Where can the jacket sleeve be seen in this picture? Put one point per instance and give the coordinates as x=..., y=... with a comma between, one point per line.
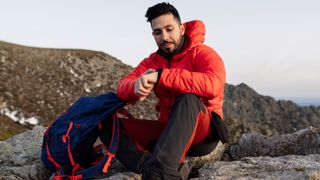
x=125, y=89
x=206, y=80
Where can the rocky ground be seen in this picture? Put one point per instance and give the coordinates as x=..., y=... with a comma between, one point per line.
x=37, y=84
x=289, y=156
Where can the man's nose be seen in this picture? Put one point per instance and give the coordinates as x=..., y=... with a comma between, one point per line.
x=165, y=36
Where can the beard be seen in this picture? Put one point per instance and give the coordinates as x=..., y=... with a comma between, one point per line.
x=170, y=47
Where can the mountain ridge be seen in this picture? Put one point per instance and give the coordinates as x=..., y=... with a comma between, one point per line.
x=43, y=82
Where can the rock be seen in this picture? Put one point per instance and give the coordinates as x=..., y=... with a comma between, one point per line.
x=20, y=156
x=124, y=176
x=215, y=155
x=20, y=159
x=22, y=148
x=285, y=167
x=32, y=170
x=302, y=142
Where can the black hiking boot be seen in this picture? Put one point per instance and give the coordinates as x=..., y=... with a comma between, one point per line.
x=185, y=170
x=146, y=175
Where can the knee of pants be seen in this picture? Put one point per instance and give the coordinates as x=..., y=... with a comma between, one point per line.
x=188, y=98
x=192, y=99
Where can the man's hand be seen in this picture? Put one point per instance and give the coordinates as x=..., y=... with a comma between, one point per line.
x=145, y=83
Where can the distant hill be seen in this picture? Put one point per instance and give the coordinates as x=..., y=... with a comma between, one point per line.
x=42, y=82
x=247, y=111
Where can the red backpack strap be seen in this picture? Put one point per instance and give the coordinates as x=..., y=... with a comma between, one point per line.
x=108, y=162
x=75, y=177
x=113, y=143
x=62, y=177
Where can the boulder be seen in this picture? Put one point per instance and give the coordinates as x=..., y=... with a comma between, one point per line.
x=20, y=156
x=264, y=167
x=302, y=142
x=20, y=159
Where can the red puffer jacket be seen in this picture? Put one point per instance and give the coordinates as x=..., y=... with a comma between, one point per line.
x=197, y=69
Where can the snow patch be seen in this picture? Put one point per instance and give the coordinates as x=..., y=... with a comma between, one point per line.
x=17, y=117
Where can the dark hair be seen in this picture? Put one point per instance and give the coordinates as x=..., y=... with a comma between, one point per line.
x=161, y=9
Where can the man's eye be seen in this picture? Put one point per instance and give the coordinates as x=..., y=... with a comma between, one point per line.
x=157, y=32
x=169, y=29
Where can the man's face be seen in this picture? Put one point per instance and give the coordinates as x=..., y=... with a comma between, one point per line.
x=167, y=32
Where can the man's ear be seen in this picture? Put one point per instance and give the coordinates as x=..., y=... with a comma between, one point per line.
x=152, y=28
x=182, y=29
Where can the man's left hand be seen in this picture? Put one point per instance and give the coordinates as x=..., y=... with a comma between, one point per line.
x=145, y=83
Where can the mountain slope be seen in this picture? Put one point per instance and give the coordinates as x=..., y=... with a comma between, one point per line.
x=42, y=83
x=247, y=111
x=10, y=128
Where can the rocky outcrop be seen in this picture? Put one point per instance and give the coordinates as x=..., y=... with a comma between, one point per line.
x=264, y=167
x=302, y=142
x=20, y=158
x=247, y=111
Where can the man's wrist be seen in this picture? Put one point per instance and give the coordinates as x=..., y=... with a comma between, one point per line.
x=159, y=70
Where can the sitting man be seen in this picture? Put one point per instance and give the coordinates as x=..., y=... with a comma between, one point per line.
x=188, y=78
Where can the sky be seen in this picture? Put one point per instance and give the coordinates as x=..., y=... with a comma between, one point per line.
x=273, y=46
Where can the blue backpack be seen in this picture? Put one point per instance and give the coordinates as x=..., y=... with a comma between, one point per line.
x=67, y=148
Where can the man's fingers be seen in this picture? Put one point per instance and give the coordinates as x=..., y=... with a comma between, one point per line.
x=140, y=90
x=145, y=83
x=141, y=93
x=144, y=88
x=142, y=98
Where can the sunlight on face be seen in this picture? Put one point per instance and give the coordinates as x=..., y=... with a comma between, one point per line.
x=167, y=32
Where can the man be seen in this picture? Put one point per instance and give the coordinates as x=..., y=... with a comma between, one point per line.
x=188, y=78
